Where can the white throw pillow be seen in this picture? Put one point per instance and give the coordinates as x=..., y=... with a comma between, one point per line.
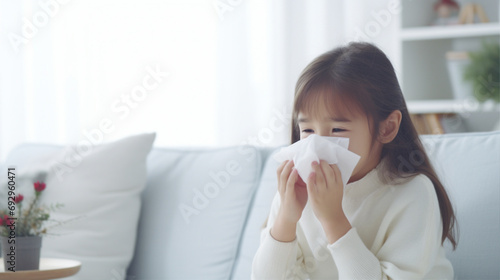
x=103, y=190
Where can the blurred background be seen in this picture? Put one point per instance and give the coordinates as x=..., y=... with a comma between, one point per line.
x=210, y=73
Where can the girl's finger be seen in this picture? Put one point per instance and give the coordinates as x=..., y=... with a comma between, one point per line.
x=285, y=173
x=290, y=184
x=281, y=185
x=319, y=177
x=280, y=168
x=311, y=184
x=338, y=175
x=329, y=173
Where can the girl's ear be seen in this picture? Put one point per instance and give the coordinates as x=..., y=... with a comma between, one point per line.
x=389, y=127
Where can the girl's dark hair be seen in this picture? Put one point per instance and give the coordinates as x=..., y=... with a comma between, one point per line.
x=362, y=77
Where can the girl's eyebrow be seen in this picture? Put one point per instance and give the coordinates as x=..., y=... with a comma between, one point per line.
x=336, y=119
x=340, y=119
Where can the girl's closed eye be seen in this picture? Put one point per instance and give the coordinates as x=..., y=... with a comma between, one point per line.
x=334, y=130
x=338, y=130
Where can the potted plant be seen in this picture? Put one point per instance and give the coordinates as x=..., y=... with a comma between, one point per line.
x=22, y=228
x=483, y=72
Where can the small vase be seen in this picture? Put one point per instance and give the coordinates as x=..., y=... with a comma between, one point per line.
x=457, y=62
x=24, y=254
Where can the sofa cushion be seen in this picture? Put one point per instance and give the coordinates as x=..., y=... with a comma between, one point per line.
x=259, y=211
x=195, y=207
x=469, y=166
x=100, y=186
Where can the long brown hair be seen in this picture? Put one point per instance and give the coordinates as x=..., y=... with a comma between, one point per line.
x=360, y=74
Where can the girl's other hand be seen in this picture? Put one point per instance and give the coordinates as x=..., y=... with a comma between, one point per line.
x=293, y=194
x=326, y=190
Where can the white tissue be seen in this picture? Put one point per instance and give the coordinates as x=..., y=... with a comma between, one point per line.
x=315, y=148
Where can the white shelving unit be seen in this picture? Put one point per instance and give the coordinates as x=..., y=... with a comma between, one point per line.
x=450, y=32
x=422, y=66
x=448, y=106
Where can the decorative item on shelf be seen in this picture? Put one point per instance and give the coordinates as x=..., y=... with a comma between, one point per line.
x=438, y=123
x=457, y=62
x=483, y=72
x=427, y=123
x=447, y=12
x=21, y=231
x=469, y=11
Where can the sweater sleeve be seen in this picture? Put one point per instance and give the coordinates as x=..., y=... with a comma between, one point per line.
x=275, y=259
x=410, y=237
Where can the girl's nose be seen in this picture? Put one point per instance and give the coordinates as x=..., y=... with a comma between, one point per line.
x=324, y=132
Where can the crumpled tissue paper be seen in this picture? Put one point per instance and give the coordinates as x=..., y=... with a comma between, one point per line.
x=315, y=148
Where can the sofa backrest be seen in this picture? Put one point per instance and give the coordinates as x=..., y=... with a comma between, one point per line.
x=194, y=210
x=468, y=165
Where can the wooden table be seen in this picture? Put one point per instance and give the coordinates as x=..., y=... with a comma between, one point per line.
x=49, y=269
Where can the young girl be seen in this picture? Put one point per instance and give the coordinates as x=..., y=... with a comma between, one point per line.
x=392, y=218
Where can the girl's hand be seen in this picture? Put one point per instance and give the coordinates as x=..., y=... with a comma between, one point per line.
x=293, y=192
x=326, y=190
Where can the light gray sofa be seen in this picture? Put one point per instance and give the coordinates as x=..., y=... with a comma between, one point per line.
x=220, y=240
x=202, y=209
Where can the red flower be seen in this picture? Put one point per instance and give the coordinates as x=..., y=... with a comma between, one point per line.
x=6, y=220
x=1, y=222
x=18, y=198
x=39, y=186
x=450, y=3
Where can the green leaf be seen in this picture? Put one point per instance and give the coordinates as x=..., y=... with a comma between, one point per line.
x=484, y=72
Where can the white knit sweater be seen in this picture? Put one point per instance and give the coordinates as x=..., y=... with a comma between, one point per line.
x=396, y=234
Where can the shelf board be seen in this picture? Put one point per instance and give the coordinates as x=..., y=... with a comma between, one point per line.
x=451, y=106
x=448, y=32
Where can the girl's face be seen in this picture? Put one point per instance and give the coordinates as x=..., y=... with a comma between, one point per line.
x=351, y=124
